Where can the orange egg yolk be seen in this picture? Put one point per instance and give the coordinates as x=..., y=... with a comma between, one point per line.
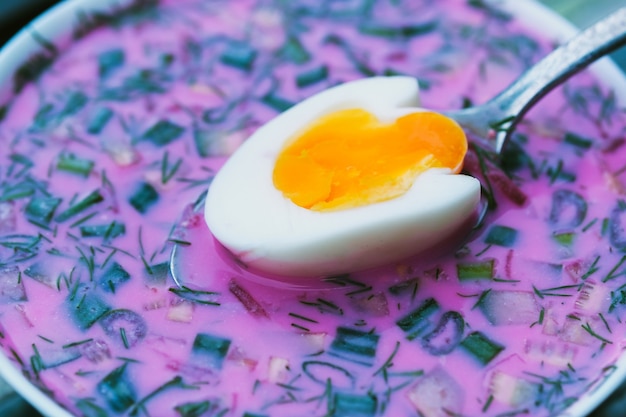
x=349, y=158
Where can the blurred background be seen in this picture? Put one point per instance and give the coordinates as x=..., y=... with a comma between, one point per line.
x=15, y=14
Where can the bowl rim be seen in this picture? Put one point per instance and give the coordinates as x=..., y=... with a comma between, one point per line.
x=57, y=24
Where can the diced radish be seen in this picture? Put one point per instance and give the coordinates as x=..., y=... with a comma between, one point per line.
x=593, y=297
x=95, y=350
x=551, y=352
x=511, y=390
x=278, y=370
x=8, y=217
x=180, y=311
x=509, y=307
x=238, y=356
x=11, y=285
x=375, y=305
x=316, y=340
x=437, y=394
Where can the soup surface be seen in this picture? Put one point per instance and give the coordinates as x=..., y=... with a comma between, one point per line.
x=108, y=144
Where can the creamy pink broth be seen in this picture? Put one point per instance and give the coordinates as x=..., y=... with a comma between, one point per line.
x=100, y=324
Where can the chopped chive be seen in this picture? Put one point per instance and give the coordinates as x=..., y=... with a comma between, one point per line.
x=475, y=270
x=239, y=55
x=163, y=133
x=193, y=409
x=98, y=120
x=501, y=236
x=72, y=164
x=611, y=275
x=481, y=347
x=144, y=197
x=94, y=198
x=312, y=76
x=168, y=172
x=588, y=329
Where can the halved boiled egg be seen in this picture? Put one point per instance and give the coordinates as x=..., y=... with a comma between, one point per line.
x=354, y=177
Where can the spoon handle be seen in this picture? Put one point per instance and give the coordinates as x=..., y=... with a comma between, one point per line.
x=507, y=108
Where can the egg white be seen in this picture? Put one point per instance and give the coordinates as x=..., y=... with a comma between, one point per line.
x=268, y=232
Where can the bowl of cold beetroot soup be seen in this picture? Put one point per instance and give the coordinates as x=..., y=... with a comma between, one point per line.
x=115, y=118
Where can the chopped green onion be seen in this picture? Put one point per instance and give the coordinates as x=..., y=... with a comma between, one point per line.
x=481, y=347
x=94, y=198
x=75, y=165
x=276, y=102
x=294, y=51
x=564, y=238
x=211, y=349
x=98, y=120
x=163, y=133
x=114, y=276
x=475, y=270
x=239, y=55
x=416, y=322
x=578, y=141
x=312, y=76
x=106, y=231
x=355, y=345
x=109, y=61
x=144, y=197
x=405, y=31
x=40, y=210
x=117, y=390
x=501, y=236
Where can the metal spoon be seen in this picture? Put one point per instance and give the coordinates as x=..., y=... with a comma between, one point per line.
x=493, y=122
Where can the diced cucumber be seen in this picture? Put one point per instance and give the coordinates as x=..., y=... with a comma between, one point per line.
x=417, y=322
x=481, y=347
x=40, y=210
x=446, y=336
x=109, y=61
x=74, y=165
x=125, y=327
x=355, y=345
x=159, y=273
x=239, y=55
x=436, y=394
x=501, y=236
x=117, y=390
x=504, y=308
x=475, y=270
x=98, y=120
x=107, y=231
x=163, y=133
x=210, y=349
x=354, y=405
x=41, y=272
x=90, y=200
x=568, y=210
x=312, y=76
x=11, y=285
x=511, y=390
x=144, y=197
x=114, y=276
x=85, y=306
